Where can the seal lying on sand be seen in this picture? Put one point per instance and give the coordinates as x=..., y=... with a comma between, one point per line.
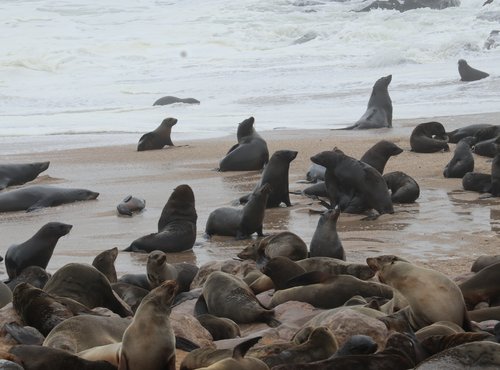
x=379, y=111
x=158, y=138
x=474, y=181
x=325, y=241
x=176, y=227
x=166, y=100
x=462, y=161
x=37, y=250
x=130, y=205
x=18, y=174
x=250, y=154
x=429, y=137
x=38, y=196
x=404, y=189
x=467, y=73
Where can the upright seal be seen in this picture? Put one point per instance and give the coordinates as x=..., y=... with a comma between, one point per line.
x=467, y=73
x=158, y=138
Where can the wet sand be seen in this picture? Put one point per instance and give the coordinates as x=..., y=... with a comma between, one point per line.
x=446, y=229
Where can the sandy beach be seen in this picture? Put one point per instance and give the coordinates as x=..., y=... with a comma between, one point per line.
x=446, y=229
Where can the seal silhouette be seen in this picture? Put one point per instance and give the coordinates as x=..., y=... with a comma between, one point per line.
x=250, y=154
x=325, y=241
x=467, y=73
x=18, y=174
x=429, y=137
x=158, y=138
x=379, y=111
x=462, y=161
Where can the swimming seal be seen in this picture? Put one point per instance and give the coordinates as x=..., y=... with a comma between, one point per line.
x=240, y=222
x=379, y=111
x=158, y=138
x=250, y=154
x=176, y=227
x=166, y=100
x=105, y=263
x=325, y=241
x=18, y=174
x=462, y=161
x=467, y=73
x=404, y=189
x=429, y=137
x=39, y=196
x=37, y=250
x=130, y=205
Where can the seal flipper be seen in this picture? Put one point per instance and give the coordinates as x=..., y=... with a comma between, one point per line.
x=24, y=334
x=185, y=344
x=200, y=307
x=241, y=349
x=42, y=203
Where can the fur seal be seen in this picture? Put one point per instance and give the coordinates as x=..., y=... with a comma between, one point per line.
x=39, y=358
x=130, y=205
x=5, y=294
x=334, y=266
x=166, y=100
x=431, y=295
x=325, y=241
x=276, y=175
x=158, y=138
x=34, y=275
x=159, y=270
x=250, y=154
x=482, y=287
x=139, y=280
x=130, y=294
x=456, y=135
x=479, y=182
x=378, y=155
x=357, y=345
x=87, y=285
x=18, y=174
x=285, y=244
x=281, y=269
x=37, y=250
x=429, y=137
x=404, y=189
x=236, y=301
x=467, y=73
x=105, y=263
x=315, y=173
x=240, y=222
x=484, y=261
x=462, y=161
x=150, y=333
x=219, y=327
x=35, y=197
x=485, y=148
x=346, y=177
x=176, y=227
x=379, y=111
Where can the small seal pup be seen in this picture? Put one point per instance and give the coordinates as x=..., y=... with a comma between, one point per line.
x=158, y=138
x=276, y=175
x=130, y=205
x=431, y=295
x=176, y=227
x=18, y=174
x=325, y=241
x=37, y=250
x=240, y=222
x=105, y=263
x=462, y=161
x=429, y=137
x=166, y=100
x=149, y=341
x=404, y=189
x=159, y=270
x=36, y=197
x=250, y=154
x=379, y=111
x=467, y=73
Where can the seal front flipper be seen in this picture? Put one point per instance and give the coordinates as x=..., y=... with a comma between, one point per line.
x=185, y=344
x=24, y=334
x=42, y=203
x=200, y=307
x=232, y=148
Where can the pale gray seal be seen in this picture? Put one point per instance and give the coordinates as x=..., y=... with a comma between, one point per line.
x=166, y=100
x=467, y=73
x=130, y=205
x=18, y=174
x=158, y=138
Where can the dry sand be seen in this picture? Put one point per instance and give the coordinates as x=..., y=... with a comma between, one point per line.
x=446, y=229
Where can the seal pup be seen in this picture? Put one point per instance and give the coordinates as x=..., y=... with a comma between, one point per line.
x=36, y=197
x=166, y=100
x=462, y=161
x=250, y=154
x=240, y=222
x=18, y=174
x=150, y=333
x=431, y=295
x=315, y=173
x=130, y=205
x=236, y=301
x=37, y=250
x=285, y=244
x=325, y=241
x=87, y=285
x=404, y=189
x=158, y=138
x=34, y=275
x=479, y=182
x=467, y=73
x=346, y=177
x=456, y=135
x=276, y=175
x=176, y=226
x=378, y=155
x=429, y=137
x=159, y=270
x=379, y=111
x=333, y=266
x=105, y=263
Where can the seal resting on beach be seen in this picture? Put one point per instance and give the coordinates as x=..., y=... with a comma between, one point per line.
x=37, y=250
x=176, y=227
x=105, y=263
x=479, y=182
x=166, y=100
x=39, y=196
x=158, y=138
x=467, y=73
x=250, y=154
x=130, y=205
x=429, y=137
x=404, y=189
x=482, y=287
x=159, y=270
x=462, y=161
x=456, y=135
x=240, y=222
x=18, y=174
x=325, y=241
x=379, y=111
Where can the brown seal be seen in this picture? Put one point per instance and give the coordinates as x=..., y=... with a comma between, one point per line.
x=219, y=327
x=105, y=262
x=159, y=270
x=37, y=250
x=482, y=287
x=281, y=270
x=378, y=155
x=286, y=244
x=158, y=138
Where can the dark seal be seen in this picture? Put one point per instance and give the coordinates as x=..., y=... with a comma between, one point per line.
x=467, y=73
x=325, y=241
x=404, y=189
x=167, y=100
x=130, y=205
x=378, y=155
x=158, y=138
x=462, y=161
x=18, y=174
x=429, y=137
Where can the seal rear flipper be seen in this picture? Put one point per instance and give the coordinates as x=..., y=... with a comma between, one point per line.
x=24, y=334
x=241, y=349
x=200, y=307
x=185, y=344
x=312, y=277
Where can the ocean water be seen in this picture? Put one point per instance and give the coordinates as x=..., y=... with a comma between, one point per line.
x=78, y=73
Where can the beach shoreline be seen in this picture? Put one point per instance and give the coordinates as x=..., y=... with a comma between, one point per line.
x=446, y=229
